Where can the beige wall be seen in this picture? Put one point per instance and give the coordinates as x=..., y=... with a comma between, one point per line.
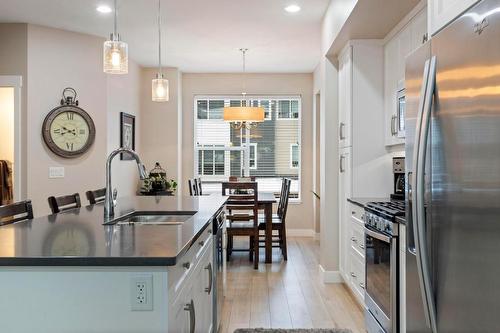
x=14, y=61
x=299, y=215
x=7, y=124
x=159, y=140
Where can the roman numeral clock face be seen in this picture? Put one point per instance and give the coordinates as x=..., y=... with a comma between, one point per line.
x=68, y=131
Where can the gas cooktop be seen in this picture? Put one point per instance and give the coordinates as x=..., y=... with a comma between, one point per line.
x=387, y=209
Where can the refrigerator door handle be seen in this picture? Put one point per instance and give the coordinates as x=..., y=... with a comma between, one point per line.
x=418, y=186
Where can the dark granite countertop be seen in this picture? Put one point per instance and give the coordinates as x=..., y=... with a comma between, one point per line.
x=79, y=238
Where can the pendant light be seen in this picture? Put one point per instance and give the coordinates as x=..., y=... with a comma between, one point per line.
x=159, y=85
x=115, y=52
x=244, y=116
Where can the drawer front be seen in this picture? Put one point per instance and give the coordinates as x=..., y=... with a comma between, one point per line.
x=358, y=238
x=357, y=212
x=358, y=276
x=185, y=265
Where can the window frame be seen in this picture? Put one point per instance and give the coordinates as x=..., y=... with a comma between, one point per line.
x=293, y=145
x=248, y=98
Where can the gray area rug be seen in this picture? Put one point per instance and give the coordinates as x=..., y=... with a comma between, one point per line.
x=316, y=330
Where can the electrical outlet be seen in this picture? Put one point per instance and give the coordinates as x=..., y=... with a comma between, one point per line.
x=141, y=292
x=56, y=172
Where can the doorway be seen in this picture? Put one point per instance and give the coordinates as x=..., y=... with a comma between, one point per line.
x=10, y=139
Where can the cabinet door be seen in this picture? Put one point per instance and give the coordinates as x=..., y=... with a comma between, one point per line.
x=202, y=288
x=182, y=311
x=345, y=183
x=345, y=97
x=391, y=54
x=419, y=29
x=442, y=12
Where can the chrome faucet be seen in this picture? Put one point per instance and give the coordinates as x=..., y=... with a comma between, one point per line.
x=109, y=206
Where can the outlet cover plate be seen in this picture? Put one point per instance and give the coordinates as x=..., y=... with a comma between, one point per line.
x=141, y=292
x=56, y=172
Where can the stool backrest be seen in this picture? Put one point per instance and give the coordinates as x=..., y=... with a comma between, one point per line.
x=18, y=211
x=65, y=202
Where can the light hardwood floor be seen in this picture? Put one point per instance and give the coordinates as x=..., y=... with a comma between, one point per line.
x=286, y=294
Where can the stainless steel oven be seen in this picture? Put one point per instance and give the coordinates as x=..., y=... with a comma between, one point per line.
x=382, y=261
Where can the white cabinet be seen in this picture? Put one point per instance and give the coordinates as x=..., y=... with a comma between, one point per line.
x=345, y=179
x=405, y=41
x=345, y=97
x=442, y=12
x=191, y=309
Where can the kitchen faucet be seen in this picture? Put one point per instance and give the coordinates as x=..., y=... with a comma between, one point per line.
x=109, y=207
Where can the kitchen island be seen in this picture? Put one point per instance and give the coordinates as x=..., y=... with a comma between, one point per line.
x=75, y=272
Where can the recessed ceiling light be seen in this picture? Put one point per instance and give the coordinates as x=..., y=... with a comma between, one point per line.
x=292, y=8
x=104, y=9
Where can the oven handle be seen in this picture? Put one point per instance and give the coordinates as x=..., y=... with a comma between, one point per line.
x=377, y=235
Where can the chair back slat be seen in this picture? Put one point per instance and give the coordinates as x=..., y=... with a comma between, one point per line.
x=18, y=211
x=282, y=197
x=198, y=186
x=96, y=196
x=286, y=195
x=63, y=203
x=193, y=187
x=245, y=201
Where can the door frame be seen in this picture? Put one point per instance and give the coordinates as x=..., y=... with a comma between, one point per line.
x=16, y=82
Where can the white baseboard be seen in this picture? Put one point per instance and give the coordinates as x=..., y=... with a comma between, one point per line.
x=330, y=276
x=316, y=236
x=300, y=232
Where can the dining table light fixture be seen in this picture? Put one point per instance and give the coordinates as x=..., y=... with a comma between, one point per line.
x=115, y=51
x=159, y=85
x=244, y=116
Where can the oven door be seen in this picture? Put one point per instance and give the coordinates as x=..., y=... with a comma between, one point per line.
x=381, y=278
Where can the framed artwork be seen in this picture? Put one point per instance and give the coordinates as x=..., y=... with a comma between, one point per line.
x=127, y=134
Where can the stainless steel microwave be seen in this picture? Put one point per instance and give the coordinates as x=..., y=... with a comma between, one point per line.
x=400, y=113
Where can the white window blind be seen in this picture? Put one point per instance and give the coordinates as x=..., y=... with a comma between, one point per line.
x=273, y=150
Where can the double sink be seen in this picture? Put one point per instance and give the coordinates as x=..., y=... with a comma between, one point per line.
x=152, y=218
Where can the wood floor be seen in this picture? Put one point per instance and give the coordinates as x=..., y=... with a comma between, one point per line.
x=286, y=294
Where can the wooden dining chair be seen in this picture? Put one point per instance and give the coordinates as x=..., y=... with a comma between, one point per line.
x=96, y=196
x=278, y=221
x=243, y=215
x=193, y=188
x=16, y=212
x=198, y=186
x=63, y=203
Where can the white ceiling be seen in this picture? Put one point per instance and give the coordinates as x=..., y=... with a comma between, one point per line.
x=199, y=35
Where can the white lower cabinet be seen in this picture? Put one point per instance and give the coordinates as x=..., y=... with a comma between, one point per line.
x=353, y=251
x=191, y=309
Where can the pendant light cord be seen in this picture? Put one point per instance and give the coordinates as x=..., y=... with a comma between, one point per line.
x=244, y=52
x=159, y=38
x=115, y=26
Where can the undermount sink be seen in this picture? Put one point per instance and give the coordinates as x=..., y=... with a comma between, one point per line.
x=153, y=218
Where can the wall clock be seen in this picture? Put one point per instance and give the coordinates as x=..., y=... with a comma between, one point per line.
x=68, y=130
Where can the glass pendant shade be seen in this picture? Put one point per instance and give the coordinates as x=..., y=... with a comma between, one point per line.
x=115, y=56
x=159, y=89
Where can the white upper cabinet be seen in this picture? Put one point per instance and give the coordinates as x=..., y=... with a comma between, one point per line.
x=442, y=12
x=404, y=42
x=345, y=97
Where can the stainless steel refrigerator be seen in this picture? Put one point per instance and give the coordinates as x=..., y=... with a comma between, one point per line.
x=453, y=177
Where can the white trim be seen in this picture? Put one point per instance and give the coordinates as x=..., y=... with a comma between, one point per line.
x=317, y=236
x=330, y=276
x=300, y=233
x=16, y=82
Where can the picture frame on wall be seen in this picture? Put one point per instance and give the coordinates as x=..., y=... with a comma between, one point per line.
x=127, y=134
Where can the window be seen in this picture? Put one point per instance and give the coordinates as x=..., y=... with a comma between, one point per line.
x=253, y=156
x=288, y=109
x=264, y=152
x=294, y=156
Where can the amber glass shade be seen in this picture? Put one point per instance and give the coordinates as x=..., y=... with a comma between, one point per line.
x=244, y=114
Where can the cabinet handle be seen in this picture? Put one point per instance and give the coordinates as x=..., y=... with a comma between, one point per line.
x=208, y=290
x=342, y=159
x=362, y=285
x=425, y=38
x=362, y=246
x=341, y=131
x=354, y=239
x=192, y=316
x=353, y=275
x=353, y=213
x=186, y=265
